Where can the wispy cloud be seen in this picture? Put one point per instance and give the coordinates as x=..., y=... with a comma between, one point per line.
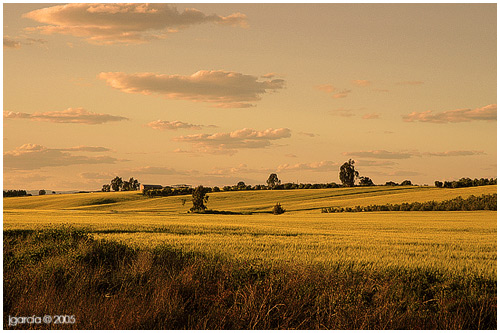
x=311, y=135
x=371, y=116
x=452, y=153
x=323, y=166
x=381, y=154
x=70, y=115
x=240, y=169
x=111, y=23
x=361, y=83
x=488, y=112
x=341, y=94
x=223, y=89
x=32, y=156
x=172, y=125
x=328, y=88
x=230, y=143
x=11, y=43
x=155, y=170
x=388, y=155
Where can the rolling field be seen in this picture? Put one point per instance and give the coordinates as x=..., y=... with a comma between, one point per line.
x=451, y=246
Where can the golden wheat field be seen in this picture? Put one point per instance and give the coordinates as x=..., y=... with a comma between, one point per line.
x=460, y=242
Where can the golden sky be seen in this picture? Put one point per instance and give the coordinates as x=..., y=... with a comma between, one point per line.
x=214, y=94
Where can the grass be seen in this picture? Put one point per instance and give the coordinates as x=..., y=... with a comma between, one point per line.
x=146, y=263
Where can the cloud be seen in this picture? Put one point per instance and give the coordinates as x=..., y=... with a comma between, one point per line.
x=381, y=154
x=271, y=75
x=361, y=83
x=311, y=135
x=223, y=89
x=488, y=112
x=229, y=143
x=323, y=166
x=91, y=149
x=456, y=153
x=410, y=83
x=110, y=23
x=371, y=116
x=32, y=156
x=328, y=88
x=291, y=155
x=342, y=94
x=172, y=125
x=70, y=115
x=11, y=43
x=370, y=163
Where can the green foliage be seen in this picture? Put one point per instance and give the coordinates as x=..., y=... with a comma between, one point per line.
x=278, y=209
x=116, y=183
x=467, y=182
x=348, y=174
x=15, y=193
x=365, y=181
x=273, y=180
x=199, y=199
x=484, y=202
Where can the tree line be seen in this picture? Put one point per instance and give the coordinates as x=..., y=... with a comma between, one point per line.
x=466, y=182
x=15, y=193
x=484, y=202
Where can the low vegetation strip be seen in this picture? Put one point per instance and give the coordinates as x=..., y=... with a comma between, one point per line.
x=484, y=202
x=110, y=285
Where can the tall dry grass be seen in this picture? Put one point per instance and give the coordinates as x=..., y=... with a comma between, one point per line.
x=109, y=285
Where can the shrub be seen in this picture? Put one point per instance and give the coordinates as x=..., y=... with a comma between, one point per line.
x=278, y=209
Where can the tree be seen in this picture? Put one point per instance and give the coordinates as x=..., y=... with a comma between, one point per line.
x=438, y=183
x=273, y=180
x=241, y=186
x=116, y=183
x=391, y=183
x=41, y=192
x=106, y=188
x=406, y=183
x=133, y=184
x=199, y=199
x=365, y=181
x=348, y=174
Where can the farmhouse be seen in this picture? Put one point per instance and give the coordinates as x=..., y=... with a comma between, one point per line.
x=150, y=187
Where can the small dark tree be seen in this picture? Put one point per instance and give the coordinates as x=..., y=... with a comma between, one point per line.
x=134, y=184
x=106, y=188
x=126, y=186
x=391, y=183
x=365, y=181
x=438, y=183
x=199, y=199
x=278, y=209
x=116, y=183
x=273, y=180
x=241, y=186
x=348, y=174
x=41, y=192
x=406, y=183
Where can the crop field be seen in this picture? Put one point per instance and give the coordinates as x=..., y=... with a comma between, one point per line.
x=454, y=251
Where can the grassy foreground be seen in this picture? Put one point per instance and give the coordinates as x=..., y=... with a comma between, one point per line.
x=145, y=263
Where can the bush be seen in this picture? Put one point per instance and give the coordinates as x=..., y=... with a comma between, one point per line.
x=278, y=209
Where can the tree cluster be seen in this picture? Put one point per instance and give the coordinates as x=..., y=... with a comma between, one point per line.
x=118, y=184
x=169, y=191
x=484, y=202
x=466, y=182
x=15, y=193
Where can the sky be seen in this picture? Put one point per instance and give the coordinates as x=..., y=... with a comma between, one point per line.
x=213, y=94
